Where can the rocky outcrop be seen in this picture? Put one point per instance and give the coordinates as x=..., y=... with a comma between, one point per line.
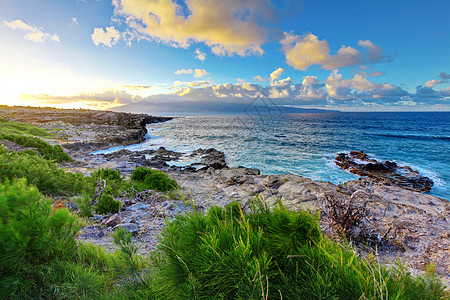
x=387, y=172
x=85, y=130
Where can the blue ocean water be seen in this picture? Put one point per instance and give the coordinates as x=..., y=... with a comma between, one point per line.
x=306, y=143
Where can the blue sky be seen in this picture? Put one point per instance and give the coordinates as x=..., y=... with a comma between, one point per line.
x=346, y=55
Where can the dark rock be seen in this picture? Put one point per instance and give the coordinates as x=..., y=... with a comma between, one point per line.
x=113, y=221
x=129, y=227
x=386, y=172
x=137, y=206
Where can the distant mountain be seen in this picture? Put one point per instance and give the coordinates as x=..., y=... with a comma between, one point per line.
x=203, y=107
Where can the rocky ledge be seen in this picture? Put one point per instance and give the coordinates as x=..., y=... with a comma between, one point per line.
x=387, y=172
x=82, y=131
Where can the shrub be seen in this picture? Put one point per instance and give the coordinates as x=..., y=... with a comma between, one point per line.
x=230, y=254
x=47, y=151
x=150, y=179
x=84, y=205
x=44, y=174
x=31, y=236
x=113, y=179
x=107, y=204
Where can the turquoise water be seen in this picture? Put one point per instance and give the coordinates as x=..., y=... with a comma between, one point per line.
x=307, y=143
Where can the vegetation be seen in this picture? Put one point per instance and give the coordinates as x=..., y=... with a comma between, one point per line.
x=107, y=204
x=225, y=253
x=28, y=136
x=150, y=179
x=42, y=173
x=231, y=254
x=10, y=127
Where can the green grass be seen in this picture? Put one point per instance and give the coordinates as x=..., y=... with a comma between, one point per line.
x=230, y=254
x=225, y=253
x=10, y=127
x=29, y=136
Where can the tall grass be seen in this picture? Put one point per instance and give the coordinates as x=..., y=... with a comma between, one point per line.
x=231, y=254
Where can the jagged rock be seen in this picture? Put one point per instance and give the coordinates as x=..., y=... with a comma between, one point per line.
x=386, y=172
x=137, y=206
x=128, y=227
x=237, y=176
x=172, y=208
x=272, y=181
x=113, y=221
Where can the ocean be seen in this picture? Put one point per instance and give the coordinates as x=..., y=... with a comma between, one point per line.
x=307, y=143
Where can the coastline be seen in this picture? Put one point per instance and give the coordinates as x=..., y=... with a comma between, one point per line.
x=418, y=223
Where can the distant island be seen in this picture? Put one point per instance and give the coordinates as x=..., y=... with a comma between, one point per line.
x=207, y=107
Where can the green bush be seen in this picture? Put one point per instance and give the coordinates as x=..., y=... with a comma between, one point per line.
x=84, y=204
x=44, y=174
x=107, y=204
x=31, y=236
x=113, y=179
x=150, y=179
x=47, y=151
x=230, y=254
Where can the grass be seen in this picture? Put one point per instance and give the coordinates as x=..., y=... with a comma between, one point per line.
x=11, y=127
x=225, y=253
x=231, y=254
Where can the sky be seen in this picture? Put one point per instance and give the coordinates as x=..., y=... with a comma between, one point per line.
x=342, y=55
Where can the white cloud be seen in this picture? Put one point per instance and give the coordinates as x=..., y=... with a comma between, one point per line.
x=304, y=51
x=200, y=73
x=73, y=21
x=200, y=55
x=432, y=83
x=276, y=74
x=32, y=33
x=228, y=27
x=184, y=71
x=107, y=37
x=260, y=79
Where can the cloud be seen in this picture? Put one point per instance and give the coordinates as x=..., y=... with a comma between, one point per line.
x=200, y=55
x=432, y=83
x=73, y=21
x=32, y=33
x=228, y=27
x=444, y=75
x=184, y=71
x=137, y=87
x=107, y=37
x=304, y=51
x=191, y=83
x=200, y=73
x=260, y=79
x=276, y=74
x=103, y=100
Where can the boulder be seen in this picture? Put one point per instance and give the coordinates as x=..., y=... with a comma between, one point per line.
x=113, y=221
x=387, y=172
x=128, y=227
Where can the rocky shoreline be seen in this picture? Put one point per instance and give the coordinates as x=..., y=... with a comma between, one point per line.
x=398, y=222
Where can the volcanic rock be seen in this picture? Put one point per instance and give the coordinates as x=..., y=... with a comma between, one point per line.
x=387, y=172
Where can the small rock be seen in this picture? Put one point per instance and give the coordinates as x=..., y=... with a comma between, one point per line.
x=128, y=227
x=272, y=181
x=137, y=206
x=96, y=218
x=113, y=221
